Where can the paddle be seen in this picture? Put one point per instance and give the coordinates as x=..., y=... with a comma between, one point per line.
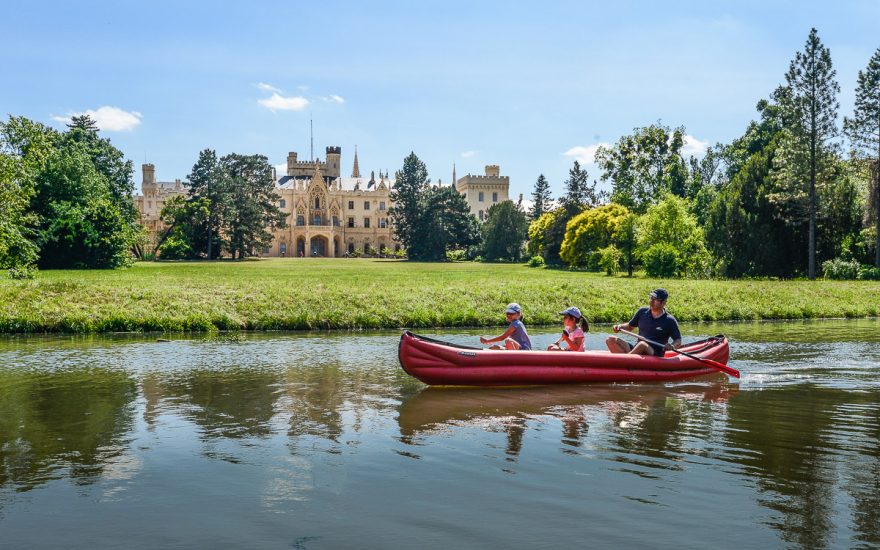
x=714, y=364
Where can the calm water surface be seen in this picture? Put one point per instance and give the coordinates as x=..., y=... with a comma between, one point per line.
x=319, y=441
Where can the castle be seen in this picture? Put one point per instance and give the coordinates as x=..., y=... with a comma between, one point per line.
x=328, y=214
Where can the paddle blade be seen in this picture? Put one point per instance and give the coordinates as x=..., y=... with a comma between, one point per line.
x=722, y=367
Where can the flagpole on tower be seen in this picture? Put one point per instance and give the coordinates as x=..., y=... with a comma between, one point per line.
x=311, y=139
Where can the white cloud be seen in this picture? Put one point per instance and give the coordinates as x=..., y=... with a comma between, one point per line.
x=693, y=147
x=111, y=119
x=278, y=102
x=468, y=154
x=335, y=99
x=268, y=87
x=585, y=154
x=280, y=169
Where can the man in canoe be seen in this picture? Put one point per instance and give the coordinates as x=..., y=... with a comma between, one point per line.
x=654, y=323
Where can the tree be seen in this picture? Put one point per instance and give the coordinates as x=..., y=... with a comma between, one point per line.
x=863, y=131
x=589, y=232
x=410, y=186
x=813, y=121
x=579, y=194
x=253, y=204
x=538, y=230
x=541, y=199
x=669, y=225
x=81, y=223
x=187, y=220
x=445, y=222
x=746, y=227
x=504, y=231
x=24, y=148
x=206, y=182
x=643, y=165
x=626, y=238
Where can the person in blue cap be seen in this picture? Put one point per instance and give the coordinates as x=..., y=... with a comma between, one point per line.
x=574, y=327
x=654, y=323
x=515, y=337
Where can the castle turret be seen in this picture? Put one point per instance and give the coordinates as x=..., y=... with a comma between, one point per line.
x=291, y=163
x=493, y=170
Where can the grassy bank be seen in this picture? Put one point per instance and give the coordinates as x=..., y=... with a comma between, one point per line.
x=330, y=294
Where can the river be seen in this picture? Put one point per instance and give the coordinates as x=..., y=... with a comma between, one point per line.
x=310, y=441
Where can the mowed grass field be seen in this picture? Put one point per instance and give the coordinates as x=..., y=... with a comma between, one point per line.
x=363, y=293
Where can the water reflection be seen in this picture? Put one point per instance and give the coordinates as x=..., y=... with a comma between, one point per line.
x=318, y=429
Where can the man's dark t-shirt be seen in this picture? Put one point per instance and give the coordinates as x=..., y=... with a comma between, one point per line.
x=658, y=330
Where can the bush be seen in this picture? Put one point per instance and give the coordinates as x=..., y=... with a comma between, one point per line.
x=175, y=248
x=609, y=259
x=661, y=260
x=455, y=255
x=535, y=261
x=23, y=272
x=841, y=269
x=869, y=273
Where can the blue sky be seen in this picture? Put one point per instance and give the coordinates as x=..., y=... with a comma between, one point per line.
x=529, y=86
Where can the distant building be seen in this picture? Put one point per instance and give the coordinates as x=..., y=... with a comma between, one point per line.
x=328, y=214
x=482, y=192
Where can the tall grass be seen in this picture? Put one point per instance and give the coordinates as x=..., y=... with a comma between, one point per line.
x=361, y=293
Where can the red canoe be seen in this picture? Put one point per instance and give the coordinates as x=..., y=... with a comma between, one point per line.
x=441, y=363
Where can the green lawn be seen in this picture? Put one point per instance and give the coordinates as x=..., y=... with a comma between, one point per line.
x=362, y=293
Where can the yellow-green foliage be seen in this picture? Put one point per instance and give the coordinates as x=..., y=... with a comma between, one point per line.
x=309, y=293
x=589, y=231
x=537, y=229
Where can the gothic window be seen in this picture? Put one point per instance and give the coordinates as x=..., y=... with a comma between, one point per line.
x=316, y=220
x=335, y=221
x=317, y=203
x=481, y=197
x=300, y=220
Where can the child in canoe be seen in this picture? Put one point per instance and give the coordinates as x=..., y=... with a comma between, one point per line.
x=515, y=337
x=575, y=325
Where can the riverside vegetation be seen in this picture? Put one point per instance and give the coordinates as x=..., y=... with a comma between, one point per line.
x=359, y=294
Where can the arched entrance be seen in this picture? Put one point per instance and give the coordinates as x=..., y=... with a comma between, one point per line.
x=300, y=247
x=318, y=246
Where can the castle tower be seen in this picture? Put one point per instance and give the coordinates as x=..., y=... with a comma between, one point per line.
x=332, y=162
x=481, y=192
x=149, y=178
x=356, y=171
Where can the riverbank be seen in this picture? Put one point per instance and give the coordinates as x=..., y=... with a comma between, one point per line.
x=303, y=294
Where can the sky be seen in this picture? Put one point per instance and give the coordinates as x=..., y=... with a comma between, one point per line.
x=530, y=86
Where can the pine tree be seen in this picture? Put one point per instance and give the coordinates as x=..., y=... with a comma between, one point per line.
x=410, y=186
x=864, y=132
x=579, y=193
x=206, y=182
x=811, y=79
x=541, y=199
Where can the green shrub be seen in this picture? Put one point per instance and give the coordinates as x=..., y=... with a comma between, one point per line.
x=609, y=259
x=841, y=269
x=455, y=255
x=661, y=260
x=869, y=273
x=23, y=272
x=535, y=261
x=175, y=248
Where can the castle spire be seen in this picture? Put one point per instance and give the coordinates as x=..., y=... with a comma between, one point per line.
x=355, y=171
x=454, y=179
